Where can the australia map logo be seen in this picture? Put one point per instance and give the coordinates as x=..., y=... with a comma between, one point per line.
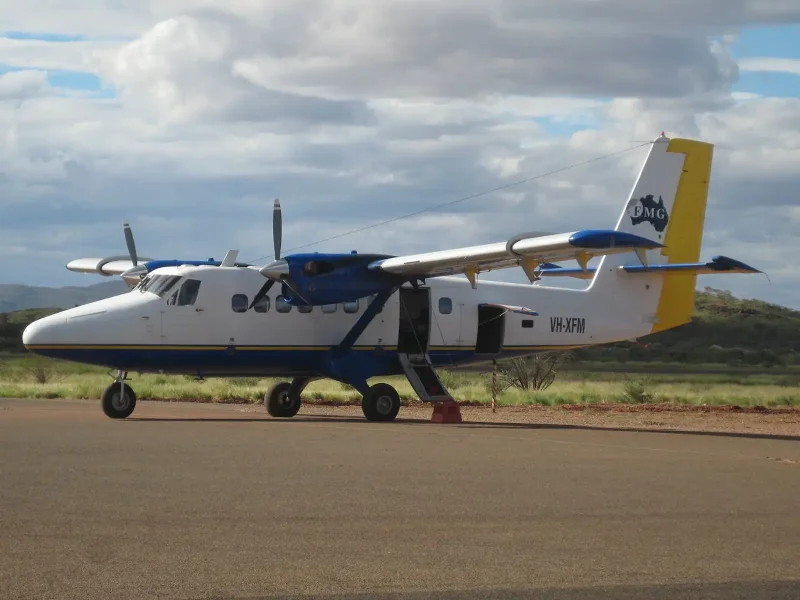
x=648, y=209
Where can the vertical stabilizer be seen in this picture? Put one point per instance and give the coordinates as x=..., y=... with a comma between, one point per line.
x=668, y=205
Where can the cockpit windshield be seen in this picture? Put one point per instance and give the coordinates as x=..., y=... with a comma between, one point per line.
x=158, y=284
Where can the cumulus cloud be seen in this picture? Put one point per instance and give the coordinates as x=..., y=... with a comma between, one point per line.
x=769, y=64
x=348, y=50
x=22, y=85
x=354, y=112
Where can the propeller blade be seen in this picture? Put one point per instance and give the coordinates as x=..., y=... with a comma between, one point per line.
x=277, y=228
x=262, y=292
x=288, y=283
x=129, y=241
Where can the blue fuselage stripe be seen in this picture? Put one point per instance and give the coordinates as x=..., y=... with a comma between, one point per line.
x=258, y=360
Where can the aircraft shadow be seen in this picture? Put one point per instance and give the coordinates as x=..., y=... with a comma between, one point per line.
x=468, y=425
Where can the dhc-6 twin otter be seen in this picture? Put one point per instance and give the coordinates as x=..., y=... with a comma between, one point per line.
x=352, y=317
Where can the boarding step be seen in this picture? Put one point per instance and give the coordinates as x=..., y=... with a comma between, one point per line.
x=423, y=378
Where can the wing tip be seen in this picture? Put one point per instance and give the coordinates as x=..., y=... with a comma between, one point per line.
x=726, y=263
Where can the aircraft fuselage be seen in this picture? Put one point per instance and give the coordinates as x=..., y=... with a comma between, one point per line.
x=209, y=330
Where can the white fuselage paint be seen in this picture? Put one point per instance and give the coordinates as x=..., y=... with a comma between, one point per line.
x=143, y=320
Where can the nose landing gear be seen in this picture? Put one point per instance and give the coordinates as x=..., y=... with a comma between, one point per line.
x=118, y=400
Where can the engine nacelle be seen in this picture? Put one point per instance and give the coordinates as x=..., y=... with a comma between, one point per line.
x=334, y=278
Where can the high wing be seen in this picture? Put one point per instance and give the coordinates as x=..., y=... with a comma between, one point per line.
x=132, y=274
x=112, y=265
x=528, y=251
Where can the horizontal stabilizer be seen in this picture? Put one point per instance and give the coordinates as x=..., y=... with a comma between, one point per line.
x=557, y=271
x=511, y=308
x=719, y=265
x=528, y=251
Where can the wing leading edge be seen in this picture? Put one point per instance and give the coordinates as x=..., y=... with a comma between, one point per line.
x=528, y=251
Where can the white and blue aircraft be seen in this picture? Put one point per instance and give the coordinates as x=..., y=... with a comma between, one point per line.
x=353, y=317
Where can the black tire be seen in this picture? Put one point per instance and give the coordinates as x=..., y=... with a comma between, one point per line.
x=381, y=403
x=116, y=406
x=278, y=403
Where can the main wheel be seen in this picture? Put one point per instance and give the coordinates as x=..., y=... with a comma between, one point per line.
x=278, y=402
x=381, y=403
x=117, y=405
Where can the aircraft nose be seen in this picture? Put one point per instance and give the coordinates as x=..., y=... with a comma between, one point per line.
x=41, y=332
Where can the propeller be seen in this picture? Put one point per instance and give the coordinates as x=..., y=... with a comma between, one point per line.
x=277, y=270
x=277, y=228
x=133, y=275
x=129, y=242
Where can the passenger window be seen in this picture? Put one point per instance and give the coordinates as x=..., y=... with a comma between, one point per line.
x=239, y=303
x=281, y=305
x=445, y=306
x=527, y=324
x=305, y=309
x=188, y=292
x=350, y=307
x=329, y=308
x=262, y=305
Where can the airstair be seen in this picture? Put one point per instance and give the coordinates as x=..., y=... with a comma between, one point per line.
x=423, y=378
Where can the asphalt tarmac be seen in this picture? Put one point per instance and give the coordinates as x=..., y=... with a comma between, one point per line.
x=208, y=501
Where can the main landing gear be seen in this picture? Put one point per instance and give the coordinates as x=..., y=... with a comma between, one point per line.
x=118, y=399
x=380, y=403
x=282, y=401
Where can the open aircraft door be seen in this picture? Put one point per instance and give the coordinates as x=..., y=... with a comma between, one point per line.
x=491, y=329
x=492, y=326
x=414, y=331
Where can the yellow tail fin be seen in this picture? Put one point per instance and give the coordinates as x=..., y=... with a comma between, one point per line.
x=685, y=234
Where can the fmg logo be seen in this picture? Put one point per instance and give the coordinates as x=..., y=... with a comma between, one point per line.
x=648, y=209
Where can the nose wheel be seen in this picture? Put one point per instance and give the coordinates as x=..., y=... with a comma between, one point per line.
x=118, y=400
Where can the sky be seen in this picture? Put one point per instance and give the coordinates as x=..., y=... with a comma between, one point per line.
x=187, y=118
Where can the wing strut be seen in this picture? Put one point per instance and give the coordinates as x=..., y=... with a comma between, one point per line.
x=369, y=314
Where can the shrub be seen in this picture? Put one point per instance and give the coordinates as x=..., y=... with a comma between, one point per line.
x=535, y=372
x=636, y=390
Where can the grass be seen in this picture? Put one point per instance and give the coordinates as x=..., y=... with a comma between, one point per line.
x=32, y=377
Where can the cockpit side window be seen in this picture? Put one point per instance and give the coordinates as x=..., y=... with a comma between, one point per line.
x=168, y=282
x=159, y=285
x=188, y=293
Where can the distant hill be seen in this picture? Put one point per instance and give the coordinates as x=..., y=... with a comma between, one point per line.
x=15, y=297
x=724, y=330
